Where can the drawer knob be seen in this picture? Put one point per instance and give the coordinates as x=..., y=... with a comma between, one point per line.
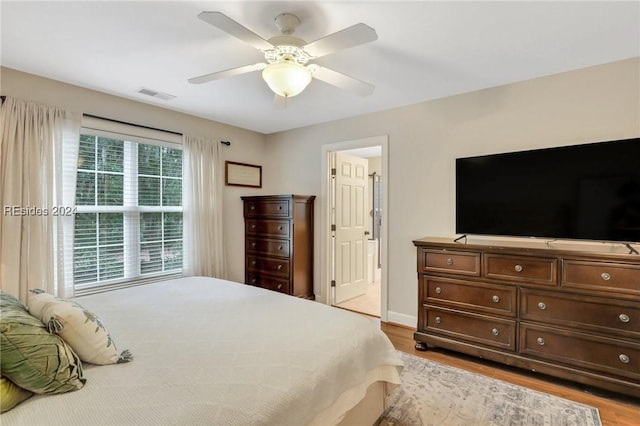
x=253, y=244
x=279, y=207
x=438, y=320
x=518, y=268
x=542, y=306
x=605, y=276
x=253, y=262
x=279, y=267
x=252, y=207
x=253, y=226
x=449, y=261
x=624, y=317
x=280, y=228
x=540, y=341
x=495, y=331
x=279, y=286
x=280, y=248
x=253, y=281
x=495, y=299
x=438, y=290
x=624, y=358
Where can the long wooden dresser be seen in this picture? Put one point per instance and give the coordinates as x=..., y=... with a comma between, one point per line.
x=279, y=243
x=569, y=313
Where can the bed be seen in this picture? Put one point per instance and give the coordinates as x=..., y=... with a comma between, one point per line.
x=210, y=351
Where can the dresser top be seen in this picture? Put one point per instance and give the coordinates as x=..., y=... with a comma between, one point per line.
x=606, y=250
x=278, y=197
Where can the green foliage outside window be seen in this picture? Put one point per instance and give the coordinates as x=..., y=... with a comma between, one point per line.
x=100, y=172
x=159, y=176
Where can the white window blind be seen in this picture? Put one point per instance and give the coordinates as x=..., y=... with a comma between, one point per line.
x=128, y=225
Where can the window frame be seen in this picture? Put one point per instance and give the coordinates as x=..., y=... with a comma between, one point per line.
x=131, y=211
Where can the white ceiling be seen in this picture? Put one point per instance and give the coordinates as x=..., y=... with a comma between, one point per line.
x=425, y=50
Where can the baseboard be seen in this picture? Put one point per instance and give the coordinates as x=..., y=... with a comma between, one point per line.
x=395, y=324
x=402, y=319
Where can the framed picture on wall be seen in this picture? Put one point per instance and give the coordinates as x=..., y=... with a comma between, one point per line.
x=242, y=174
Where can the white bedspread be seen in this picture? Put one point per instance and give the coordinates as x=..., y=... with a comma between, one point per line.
x=214, y=352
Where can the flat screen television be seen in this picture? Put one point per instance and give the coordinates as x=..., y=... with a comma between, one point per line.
x=584, y=192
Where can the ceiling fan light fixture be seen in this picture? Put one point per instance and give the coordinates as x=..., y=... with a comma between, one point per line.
x=286, y=78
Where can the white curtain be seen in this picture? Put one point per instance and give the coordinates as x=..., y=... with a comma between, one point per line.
x=204, y=252
x=38, y=152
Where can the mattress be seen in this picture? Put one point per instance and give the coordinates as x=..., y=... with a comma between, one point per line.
x=210, y=351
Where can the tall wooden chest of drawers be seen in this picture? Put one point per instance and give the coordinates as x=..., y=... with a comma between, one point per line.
x=279, y=243
x=573, y=314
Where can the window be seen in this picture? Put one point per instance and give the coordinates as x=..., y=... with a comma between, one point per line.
x=128, y=224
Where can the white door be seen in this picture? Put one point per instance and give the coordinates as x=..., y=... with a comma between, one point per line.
x=351, y=239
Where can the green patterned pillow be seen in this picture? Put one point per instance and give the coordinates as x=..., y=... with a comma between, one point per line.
x=31, y=357
x=11, y=394
x=80, y=328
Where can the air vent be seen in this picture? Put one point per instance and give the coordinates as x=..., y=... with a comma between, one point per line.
x=156, y=94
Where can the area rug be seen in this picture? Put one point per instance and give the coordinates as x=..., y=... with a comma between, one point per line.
x=434, y=394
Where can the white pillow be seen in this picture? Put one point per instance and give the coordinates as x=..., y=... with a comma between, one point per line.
x=78, y=327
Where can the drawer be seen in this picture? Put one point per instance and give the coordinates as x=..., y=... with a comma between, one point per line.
x=268, y=247
x=609, y=316
x=270, y=283
x=488, y=331
x=465, y=295
x=617, y=357
x=601, y=276
x=527, y=270
x=449, y=262
x=268, y=265
x=268, y=228
x=273, y=208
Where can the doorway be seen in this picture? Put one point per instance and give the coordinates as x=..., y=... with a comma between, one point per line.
x=355, y=266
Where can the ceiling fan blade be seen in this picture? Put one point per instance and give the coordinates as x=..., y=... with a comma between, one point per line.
x=340, y=80
x=228, y=25
x=227, y=73
x=343, y=39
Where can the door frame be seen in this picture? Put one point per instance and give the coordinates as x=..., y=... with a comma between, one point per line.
x=325, y=215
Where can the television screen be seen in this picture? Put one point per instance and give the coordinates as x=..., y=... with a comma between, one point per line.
x=589, y=191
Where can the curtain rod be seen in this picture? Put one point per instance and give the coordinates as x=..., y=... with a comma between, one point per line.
x=227, y=143
x=131, y=124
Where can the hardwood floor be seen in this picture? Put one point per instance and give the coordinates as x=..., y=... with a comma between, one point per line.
x=615, y=409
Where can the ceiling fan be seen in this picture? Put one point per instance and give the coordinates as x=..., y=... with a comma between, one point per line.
x=287, y=69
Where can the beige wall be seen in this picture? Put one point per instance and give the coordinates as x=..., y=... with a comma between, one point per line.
x=593, y=104
x=375, y=165
x=246, y=146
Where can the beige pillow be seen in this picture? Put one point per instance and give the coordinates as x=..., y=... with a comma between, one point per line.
x=78, y=327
